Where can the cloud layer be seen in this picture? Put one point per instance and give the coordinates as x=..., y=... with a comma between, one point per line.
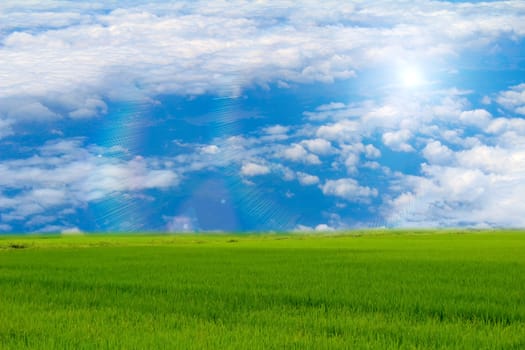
x=65, y=58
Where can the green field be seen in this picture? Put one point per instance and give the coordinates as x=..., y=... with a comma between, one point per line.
x=368, y=290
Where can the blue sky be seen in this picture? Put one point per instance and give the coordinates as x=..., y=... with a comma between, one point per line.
x=265, y=116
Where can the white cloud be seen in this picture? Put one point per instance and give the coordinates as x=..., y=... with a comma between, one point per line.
x=324, y=228
x=330, y=106
x=298, y=153
x=64, y=174
x=372, y=152
x=436, y=153
x=507, y=132
x=318, y=146
x=276, y=130
x=468, y=179
x=47, y=196
x=342, y=131
x=91, y=107
x=386, y=115
x=253, y=169
x=32, y=112
x=482, y=187
x=513, y=99
x=478, y=117
x=398, y=140
x=371, y=165
x=210, y=149
x=494, y=160
x=307, y=179
x=348, y=189
x=275, y=133
x=317, y=228
x=55, y=52
x=351, y=162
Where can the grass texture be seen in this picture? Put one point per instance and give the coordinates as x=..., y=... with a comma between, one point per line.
x=368, y=290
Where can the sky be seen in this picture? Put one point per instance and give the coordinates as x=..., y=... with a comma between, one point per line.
x=134, y=115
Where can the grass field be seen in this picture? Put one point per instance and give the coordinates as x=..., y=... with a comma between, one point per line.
x=378, y=290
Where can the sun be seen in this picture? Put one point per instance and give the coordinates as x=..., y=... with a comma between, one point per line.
x=411, y=76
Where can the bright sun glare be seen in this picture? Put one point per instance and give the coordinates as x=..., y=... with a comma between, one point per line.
x=411, y=77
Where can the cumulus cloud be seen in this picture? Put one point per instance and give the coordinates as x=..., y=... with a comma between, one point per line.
x=32, y=112
x=348, y=189
x=307, y=179
x=318, y=146
x=455, y=196
x=324, y=228
x=496, y=160
x=65, y=174
x=436, y=153
x=513, y=99
x=276, y=130
x=317, y=228
x=91, y=107
x=342, y=131
x=372, y=152
x=465, y=152
x=397, y=140
x=275, y=133
x=481, y=187
x=351, y=161
x=472, y=160
x=254, y=169
x=298, y=153
x=479, y=117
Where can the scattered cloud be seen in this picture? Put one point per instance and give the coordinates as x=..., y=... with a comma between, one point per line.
x=318, y=146
x=479, y=117
x=298, y=153
x=307, y=179
x=513, y=99
x=372, y=152
x=348, y=189
x=343, y=131
x=253, y=169
x=64, y=65
x=324, y=228
x=436, y=153
x=276, y=130
x=210, y=149
x=64, y=174
x=398, y=140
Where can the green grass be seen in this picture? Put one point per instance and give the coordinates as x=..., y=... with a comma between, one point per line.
x=368, y=290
